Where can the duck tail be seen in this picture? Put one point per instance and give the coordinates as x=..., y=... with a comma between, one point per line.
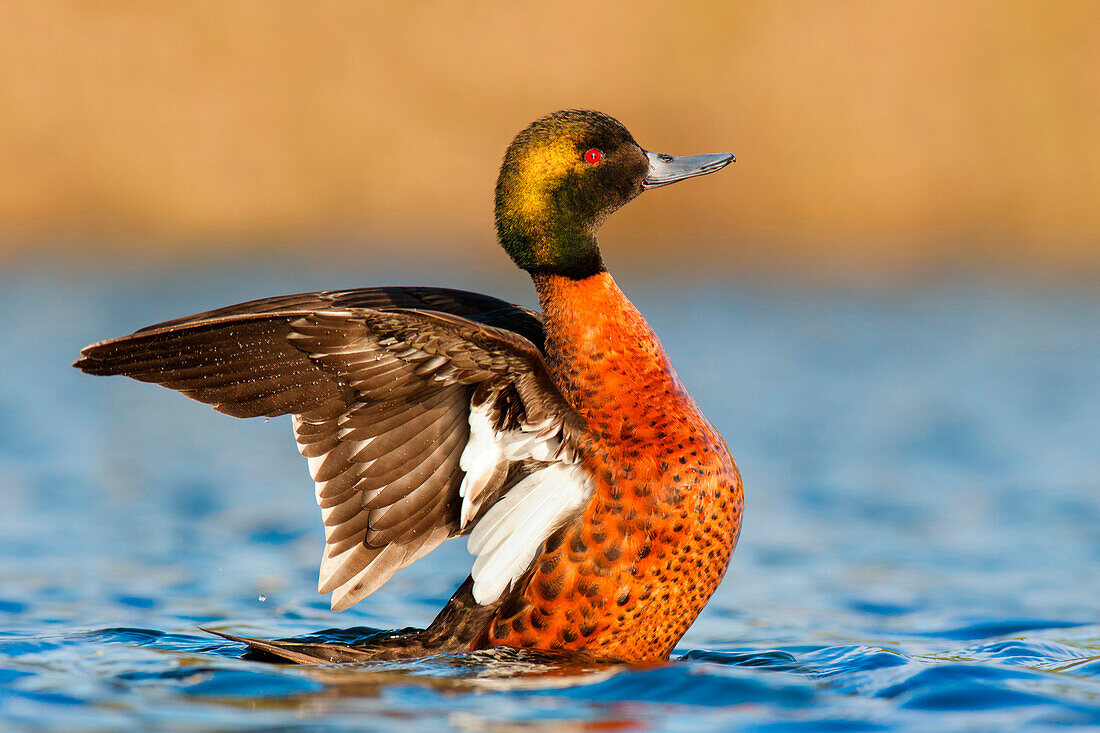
x=461, y=626
x=386, y=646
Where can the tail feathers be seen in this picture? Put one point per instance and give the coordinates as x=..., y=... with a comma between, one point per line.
x=383, y=646
x=302, y=652
x=461, y=626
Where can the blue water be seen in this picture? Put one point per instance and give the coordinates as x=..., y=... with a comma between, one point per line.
x=921, y=548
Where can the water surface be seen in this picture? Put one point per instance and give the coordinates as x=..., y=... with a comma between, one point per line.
x=920, y=550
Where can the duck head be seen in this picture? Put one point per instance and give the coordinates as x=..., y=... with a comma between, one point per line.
x=564, y=175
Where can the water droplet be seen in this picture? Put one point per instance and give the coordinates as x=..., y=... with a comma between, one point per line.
x=262, y=598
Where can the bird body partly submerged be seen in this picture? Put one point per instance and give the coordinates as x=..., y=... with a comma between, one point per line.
x=652, y=543
x=601, y=505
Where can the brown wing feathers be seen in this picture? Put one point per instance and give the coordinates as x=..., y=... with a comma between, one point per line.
x=380, y=382
x=241, y=365
x=476, y=307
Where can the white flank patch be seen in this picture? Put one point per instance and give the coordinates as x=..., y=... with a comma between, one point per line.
x=511, y=532
x=479, y=460
x=487, y=450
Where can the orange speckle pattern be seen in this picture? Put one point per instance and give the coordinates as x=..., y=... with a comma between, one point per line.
x=627, y=579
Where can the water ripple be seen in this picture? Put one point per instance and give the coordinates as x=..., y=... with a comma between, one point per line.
x=919, y=552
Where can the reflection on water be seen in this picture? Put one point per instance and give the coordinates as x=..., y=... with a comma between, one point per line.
x=920, y=550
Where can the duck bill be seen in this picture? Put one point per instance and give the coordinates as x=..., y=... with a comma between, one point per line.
x=666, y=169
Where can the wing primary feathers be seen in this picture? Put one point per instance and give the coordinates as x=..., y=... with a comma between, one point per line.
x=423, y=413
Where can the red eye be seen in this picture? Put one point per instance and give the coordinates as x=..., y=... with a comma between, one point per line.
x=593, y=156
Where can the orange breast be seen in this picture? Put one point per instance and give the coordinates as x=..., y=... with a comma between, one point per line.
x=630, y=576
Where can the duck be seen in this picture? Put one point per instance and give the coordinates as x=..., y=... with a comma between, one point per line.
x=600, y=505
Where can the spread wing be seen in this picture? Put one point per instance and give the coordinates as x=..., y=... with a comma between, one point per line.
x=423, y=413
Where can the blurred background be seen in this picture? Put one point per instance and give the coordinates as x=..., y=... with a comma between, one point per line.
x=888, y=307
x=876, y=138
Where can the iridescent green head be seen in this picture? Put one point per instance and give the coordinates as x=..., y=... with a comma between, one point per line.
x=564, y=175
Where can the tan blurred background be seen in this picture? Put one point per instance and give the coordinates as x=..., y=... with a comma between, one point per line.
x=879, y=136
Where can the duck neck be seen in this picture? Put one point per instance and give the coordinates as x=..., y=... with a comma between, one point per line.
x=548, y=243
x=598, y=346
